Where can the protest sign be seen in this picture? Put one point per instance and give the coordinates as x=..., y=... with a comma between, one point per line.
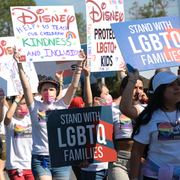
x=81, y=133
x=149, y=43
x=49, y=69
x=9, y=71
x=103, y=51
x=46, y=33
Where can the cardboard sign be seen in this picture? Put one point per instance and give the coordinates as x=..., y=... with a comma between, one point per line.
x=78, y=134
x=103, y=52
x=10, y=82
x=46, y=33
x=149, y=43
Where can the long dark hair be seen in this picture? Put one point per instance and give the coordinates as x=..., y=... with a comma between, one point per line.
x=124, y=83
x=155, y=102
x=96, y=89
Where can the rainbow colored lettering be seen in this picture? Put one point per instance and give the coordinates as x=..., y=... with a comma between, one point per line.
x=18, y=85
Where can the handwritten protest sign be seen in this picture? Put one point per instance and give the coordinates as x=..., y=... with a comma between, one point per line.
x=46, y=33
x=149, y=43
x=49, y=69
x=103, y=51
x=78, y=134
x=9, y=75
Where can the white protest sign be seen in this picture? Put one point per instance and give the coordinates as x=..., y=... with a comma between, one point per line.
x=9, y=76
x=103, y=51
x=46, y=33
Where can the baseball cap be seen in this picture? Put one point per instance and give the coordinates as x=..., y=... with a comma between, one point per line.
x=48, y=79
x=164, y=77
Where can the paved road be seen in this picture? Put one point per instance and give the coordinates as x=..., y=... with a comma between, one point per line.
x=71, y=178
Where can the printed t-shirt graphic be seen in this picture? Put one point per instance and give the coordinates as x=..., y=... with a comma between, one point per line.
x=125, y=122
x=22, y=131
x=168, y=131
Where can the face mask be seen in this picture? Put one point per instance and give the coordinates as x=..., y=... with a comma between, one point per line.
x=47, y=98
x=106, y=101
x=23, y=110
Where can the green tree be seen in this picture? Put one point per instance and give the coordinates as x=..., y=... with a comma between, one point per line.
x=6, y=28
x=81, y=24
x=154, y=8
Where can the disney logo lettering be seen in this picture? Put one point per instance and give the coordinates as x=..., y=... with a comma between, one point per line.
x=29, y=17
x=100, y=15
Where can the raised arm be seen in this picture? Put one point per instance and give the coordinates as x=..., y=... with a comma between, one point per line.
x=125, y=105
x=25, y=84
x=87, y=86
x=75, y=80
x=12, y=109
x=59, y=78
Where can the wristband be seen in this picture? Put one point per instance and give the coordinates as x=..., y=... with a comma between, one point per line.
x=78, y=68
x=16, y=102
x=61, y=83
x=132, y=80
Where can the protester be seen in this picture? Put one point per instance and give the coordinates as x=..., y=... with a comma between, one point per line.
x=158, y=127
x=95, y=94
x=123, y=128
x=49, y=89
x=78, y=102
x=18, y=140
x=3, y=109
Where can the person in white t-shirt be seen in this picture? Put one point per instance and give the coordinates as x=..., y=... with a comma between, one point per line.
x=159, y=127
x=95, y=94
x=49, y=89
x=123, y=128
x=3, y=109
x=18, y=140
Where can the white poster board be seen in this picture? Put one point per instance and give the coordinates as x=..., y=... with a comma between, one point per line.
x=46, y=33
x=10, y=84
x=103, y=51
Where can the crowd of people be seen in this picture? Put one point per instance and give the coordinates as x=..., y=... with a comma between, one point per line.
x=146, y=127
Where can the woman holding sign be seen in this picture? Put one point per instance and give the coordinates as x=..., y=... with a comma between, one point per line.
x=3, y=109
x=158, y=126
x=49, y=89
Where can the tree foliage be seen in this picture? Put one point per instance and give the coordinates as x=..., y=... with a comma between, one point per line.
x=6, y=28
x=81, y=24
x=154, y=8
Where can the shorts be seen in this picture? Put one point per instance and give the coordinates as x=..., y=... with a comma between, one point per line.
x=3, y=154
x=27, y=174
x=59, y=173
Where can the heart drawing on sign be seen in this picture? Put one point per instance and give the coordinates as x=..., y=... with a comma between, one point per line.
x=93, y=57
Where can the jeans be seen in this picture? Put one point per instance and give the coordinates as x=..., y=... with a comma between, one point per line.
x=94, y=175
x=59, y=173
